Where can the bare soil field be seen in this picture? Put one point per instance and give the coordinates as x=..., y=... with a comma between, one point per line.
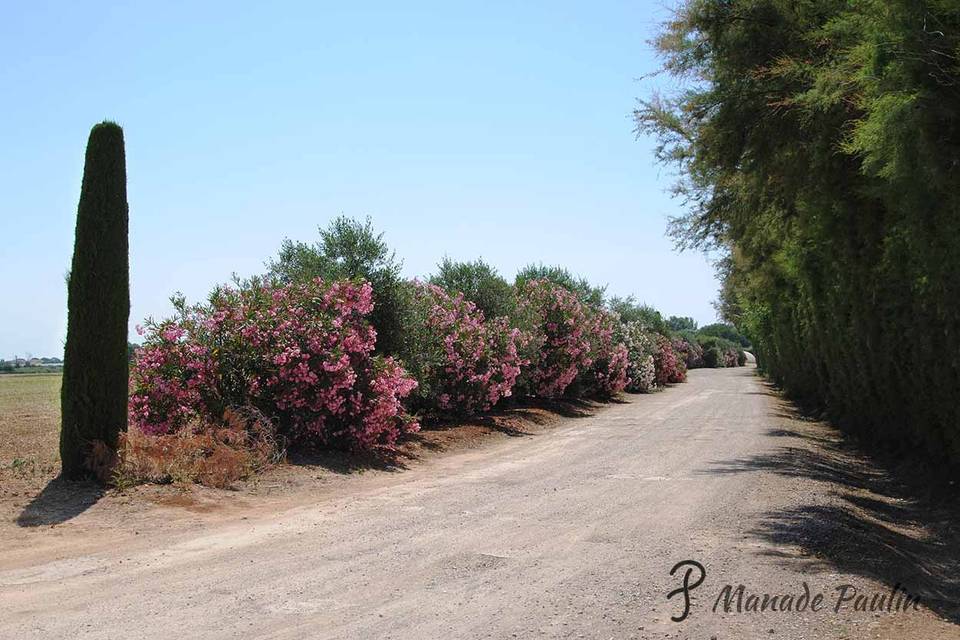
x=29, y=432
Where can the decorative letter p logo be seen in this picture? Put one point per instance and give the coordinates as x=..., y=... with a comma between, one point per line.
x=687, y=585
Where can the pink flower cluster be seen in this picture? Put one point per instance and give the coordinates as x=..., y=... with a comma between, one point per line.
x=465, y=363
x=302, y=354
x=607, y=375
x=690, y=352
x=562, y=322
x=670, y=366
x=172, y=381
x=641, y=345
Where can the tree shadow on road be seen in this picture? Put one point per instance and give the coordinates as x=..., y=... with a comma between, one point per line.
x=59, y=501
x=877, y=518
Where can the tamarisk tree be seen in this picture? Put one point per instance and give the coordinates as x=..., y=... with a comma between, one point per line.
x=818, y=145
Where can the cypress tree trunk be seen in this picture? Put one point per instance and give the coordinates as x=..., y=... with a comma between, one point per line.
x=93, y=399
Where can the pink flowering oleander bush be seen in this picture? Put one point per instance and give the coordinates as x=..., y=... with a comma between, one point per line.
x=682, y=352
x=173, y=379
x=302, y=354
x=730, y=358
x=690, y=355
x=690, y=351
x=559, y=324
x=641, y=346
x=670, y=367
x=607, y=374
x=463, y=363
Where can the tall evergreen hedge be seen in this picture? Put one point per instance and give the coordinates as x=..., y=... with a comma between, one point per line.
x=819, y=144
x=94, y=394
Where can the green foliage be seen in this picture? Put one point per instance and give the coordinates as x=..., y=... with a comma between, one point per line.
x=712, y=357
x=676, y=323
x=630, y=310
x=817, y=144
x=587, y=293
x=479, y=283
x=350, y=249
x=727, y=351
x=726, y=331
x=95, y=374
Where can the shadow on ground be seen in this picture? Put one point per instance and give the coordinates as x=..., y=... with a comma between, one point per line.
x=883, y=520
x=515, y=420
x=59, y=501
x=344, y=462
x=441, y=434
x=564, y=407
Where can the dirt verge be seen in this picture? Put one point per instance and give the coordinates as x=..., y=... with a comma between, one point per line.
x=47, y=516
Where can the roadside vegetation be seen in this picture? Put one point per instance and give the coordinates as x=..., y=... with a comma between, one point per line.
x=818, y=147
x=330, y=347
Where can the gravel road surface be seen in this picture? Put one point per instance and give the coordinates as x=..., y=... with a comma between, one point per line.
x=570, y=533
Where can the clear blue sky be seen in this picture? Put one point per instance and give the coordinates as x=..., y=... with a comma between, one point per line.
x=491, y=129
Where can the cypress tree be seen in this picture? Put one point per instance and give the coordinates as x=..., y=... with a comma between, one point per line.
x=93, y=398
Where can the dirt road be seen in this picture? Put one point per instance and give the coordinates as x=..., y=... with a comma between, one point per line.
x=568, y=534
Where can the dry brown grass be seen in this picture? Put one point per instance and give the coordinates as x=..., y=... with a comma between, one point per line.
x=29, y=431
x=214, y=455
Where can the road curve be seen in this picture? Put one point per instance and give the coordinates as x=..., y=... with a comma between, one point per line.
x=571, y=533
